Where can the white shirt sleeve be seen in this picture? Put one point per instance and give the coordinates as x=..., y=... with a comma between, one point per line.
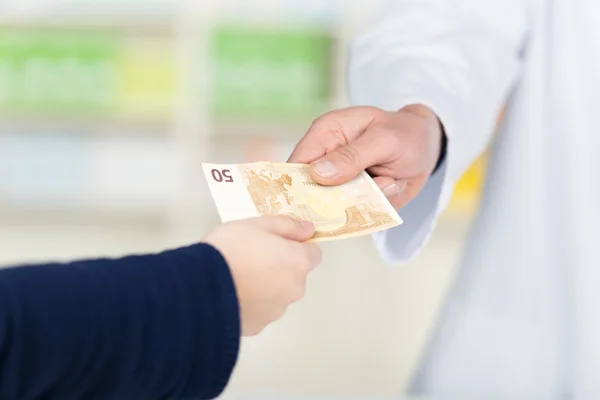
x=458, y=57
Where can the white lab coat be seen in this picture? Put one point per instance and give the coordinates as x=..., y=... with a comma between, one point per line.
x=523, y=318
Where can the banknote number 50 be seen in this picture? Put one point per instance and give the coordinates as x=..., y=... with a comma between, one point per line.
x=221, y=176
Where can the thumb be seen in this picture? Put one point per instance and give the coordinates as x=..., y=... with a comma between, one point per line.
x=287, y=227
x=344, y=164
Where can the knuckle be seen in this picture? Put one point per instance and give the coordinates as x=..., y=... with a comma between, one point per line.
x=317, y=121
x=275, y=315
x=322, y=119
x=307, y=265
x=328, y=130
x=298, y=292
x=279, y=313
x=254, y=328
x=314, y=255
x=304, y=267
x=257, y=330
x=337, y=137
x=304, y=262
x=349, y=155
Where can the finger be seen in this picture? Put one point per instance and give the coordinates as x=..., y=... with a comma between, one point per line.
x=408, y=191
x=376, y=146
x=272, y=313
x=303, y=258
x=288, y=227
x=413, y=187
x=314, y=255
x=276, y=314
x=263, y=318
x=297, y=291
x=332, y=131
x=251, y=331
x=252, y=324
x=392, y=189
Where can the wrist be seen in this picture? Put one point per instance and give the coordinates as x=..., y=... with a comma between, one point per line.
x=439, y=141
x=421, y=111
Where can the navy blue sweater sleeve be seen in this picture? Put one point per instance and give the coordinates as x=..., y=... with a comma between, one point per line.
x=162, y=326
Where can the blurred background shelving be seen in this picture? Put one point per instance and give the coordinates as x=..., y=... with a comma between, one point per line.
x=108, y=108
x=98, y=80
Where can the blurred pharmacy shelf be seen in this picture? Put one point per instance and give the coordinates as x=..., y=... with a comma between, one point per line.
x=107, y=111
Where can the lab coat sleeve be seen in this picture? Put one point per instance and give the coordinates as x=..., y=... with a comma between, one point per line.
x=458, y=57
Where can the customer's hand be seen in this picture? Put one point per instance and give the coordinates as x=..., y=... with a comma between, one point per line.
x=269, y=263
x=399, y=149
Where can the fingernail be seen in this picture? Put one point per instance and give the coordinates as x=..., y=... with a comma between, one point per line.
x=325, y=168
x=391, y=190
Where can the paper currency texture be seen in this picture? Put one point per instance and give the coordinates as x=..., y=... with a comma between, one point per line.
x=256, y=189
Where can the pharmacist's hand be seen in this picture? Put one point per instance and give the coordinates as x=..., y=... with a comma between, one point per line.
x=398, y=149
x=269, y=263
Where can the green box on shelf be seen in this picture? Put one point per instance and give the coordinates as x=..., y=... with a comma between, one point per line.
x=267, y=73
x=84, y=72
x=50, y=71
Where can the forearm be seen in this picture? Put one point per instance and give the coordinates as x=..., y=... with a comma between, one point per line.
x=147, y=327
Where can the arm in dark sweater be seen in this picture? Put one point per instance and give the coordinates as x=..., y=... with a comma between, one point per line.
x=162, y=326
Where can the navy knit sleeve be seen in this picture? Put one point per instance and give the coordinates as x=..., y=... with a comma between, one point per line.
x=162, y=326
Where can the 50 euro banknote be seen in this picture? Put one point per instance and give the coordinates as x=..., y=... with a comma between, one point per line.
x=257, y=189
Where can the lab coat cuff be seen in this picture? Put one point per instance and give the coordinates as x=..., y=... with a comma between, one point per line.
x=402, y=244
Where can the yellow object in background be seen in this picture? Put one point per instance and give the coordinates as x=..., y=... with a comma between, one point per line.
x=147, y=80
x=467, y=191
